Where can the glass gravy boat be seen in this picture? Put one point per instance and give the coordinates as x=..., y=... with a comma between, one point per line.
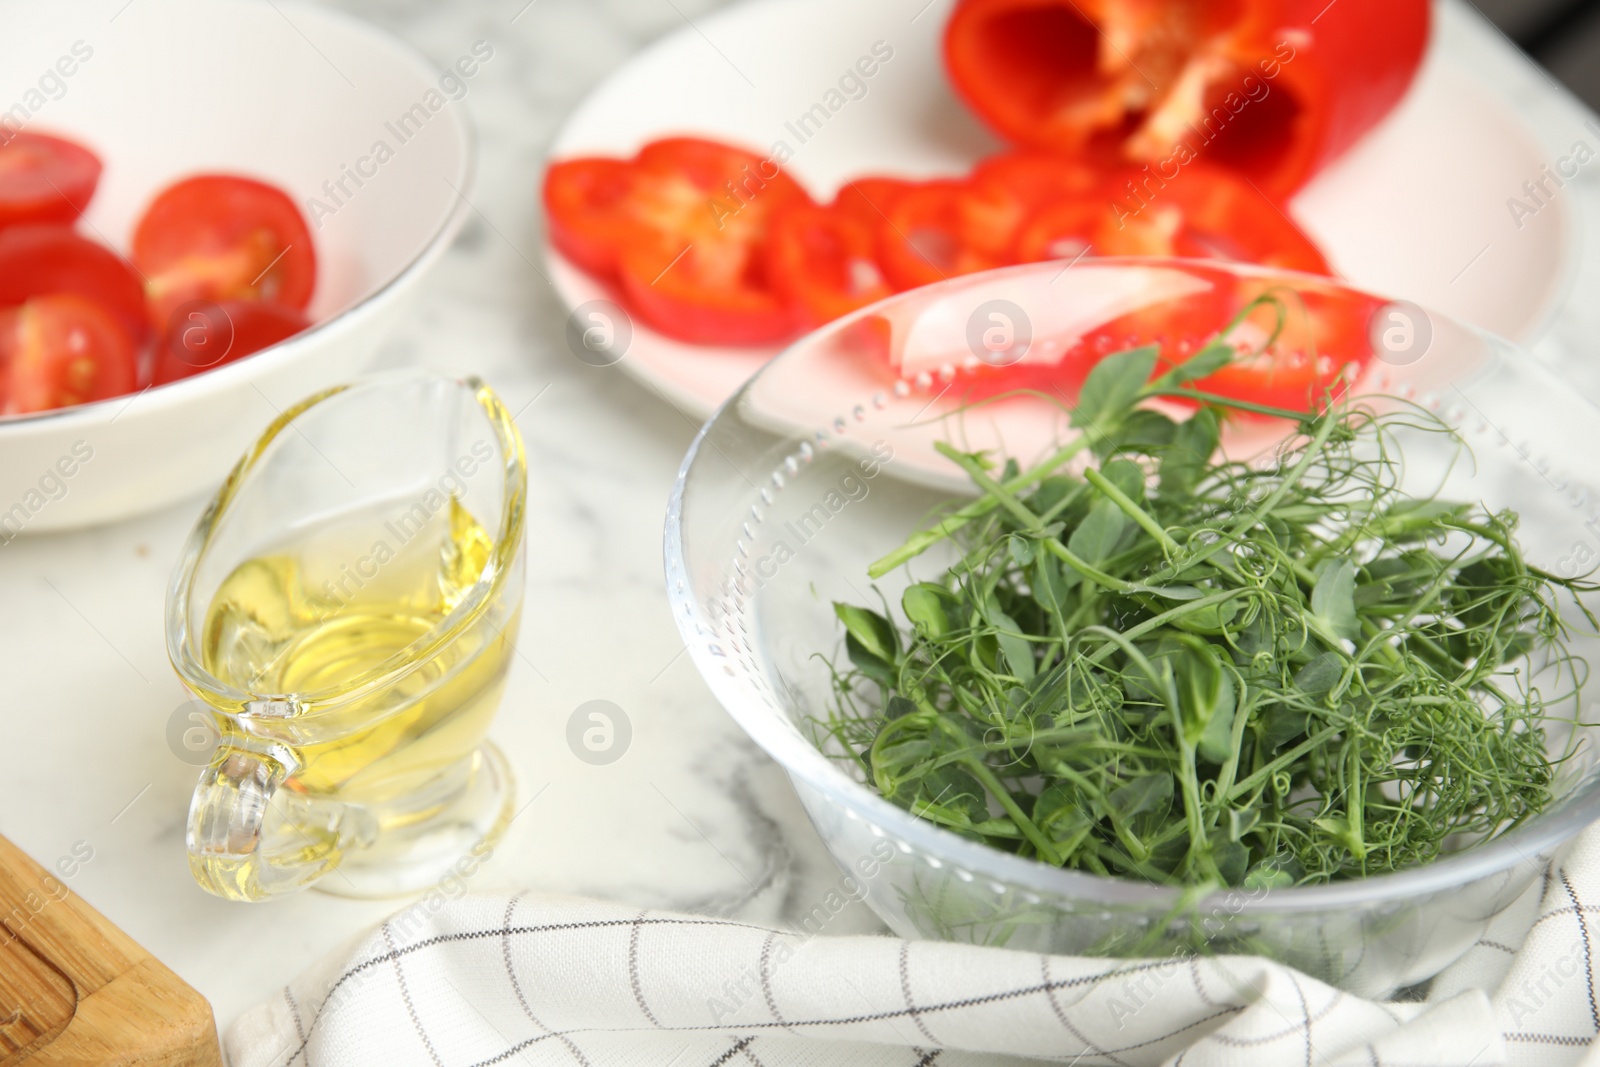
x=346, y=608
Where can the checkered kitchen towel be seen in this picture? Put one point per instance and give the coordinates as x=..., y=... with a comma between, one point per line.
x=544, y=980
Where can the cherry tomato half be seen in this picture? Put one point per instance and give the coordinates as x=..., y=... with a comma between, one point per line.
x=201, y=335
x=61, y=349
x=39, y=260
x=220, y=237
x=45, y=179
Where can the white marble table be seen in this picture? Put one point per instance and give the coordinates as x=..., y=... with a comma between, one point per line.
x=693, y=816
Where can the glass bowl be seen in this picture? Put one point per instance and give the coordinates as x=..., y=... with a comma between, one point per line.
x=825, y=460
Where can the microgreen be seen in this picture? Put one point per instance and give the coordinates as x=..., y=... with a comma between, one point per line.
x=1199, y=671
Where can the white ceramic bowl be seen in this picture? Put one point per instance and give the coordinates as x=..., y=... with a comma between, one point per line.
x=291, y=93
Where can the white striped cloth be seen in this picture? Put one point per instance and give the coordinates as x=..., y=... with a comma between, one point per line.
x=557, y=981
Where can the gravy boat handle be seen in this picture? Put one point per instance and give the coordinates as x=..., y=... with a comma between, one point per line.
x=250, y=840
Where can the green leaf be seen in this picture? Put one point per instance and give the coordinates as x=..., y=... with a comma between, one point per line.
x=1178, y=593
x=1231, y=859
x=1150, y=793
x=927, y=606
x=1186, y=461
x=1280, y=725
x=1267, y=875
x=1016, y=649
x=1211, y=619
x=897, y=707
x=868, y=663
x=1317, y=678
x=1051, y=584
x=1052, y=491
x=1395, y=579
x=1204, y=363
x=1021, y=549
x=1059, y=812
x=1097, y=535
x=956, y=791
x=871, y=631
x=1112, y=387
x=1143, y=431
x=1410, y=519
x=871, y=643
x=1127, y=476
x=1333, y=598
x=1346, y=833
x=1216, y=742
x=1206, y=696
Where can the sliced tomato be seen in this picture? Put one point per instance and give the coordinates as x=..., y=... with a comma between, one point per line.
x=201, y=335
x=61, y=349
x=822, y=261
x=694, y=264
x=1274, y=88
x=39, y=260
x=45, y=179
x=944, y=228
x=586, y=203
x=221, y=237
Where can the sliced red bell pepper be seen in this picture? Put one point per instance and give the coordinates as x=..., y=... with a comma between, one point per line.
x=869, y=199
x=1298, y=344
x=1204, y=212
x=707, y=293
x=683, y=225
x=1273, y=88
x=585, y=205
x=1224, y=217
x=822, y=260
x=1040, y=178
x=945, y=228
x=1299, y=347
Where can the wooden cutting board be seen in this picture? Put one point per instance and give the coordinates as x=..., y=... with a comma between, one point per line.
x=75, y=990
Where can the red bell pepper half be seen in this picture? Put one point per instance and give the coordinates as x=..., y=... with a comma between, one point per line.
x=1275, y=89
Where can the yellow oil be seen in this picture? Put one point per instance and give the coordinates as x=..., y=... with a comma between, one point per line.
x=346, y=604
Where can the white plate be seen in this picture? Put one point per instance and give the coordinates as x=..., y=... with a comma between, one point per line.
x=1403, y=214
